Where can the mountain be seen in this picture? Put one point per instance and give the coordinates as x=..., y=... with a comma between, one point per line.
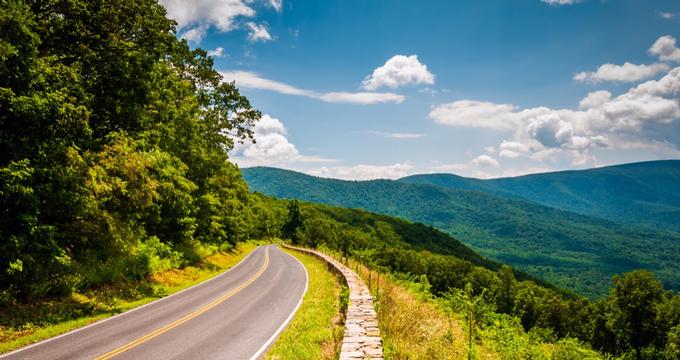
x=645, y=193
x=571, y=250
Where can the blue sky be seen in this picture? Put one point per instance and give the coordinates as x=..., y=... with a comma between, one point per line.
x=373, y=89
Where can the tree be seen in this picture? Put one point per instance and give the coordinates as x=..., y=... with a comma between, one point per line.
x=294, y=223
x=474, y=307
x=506, y=291
x=634, y=299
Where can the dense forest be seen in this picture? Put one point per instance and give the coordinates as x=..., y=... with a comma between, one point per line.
x=571, y=250
x=114, y=137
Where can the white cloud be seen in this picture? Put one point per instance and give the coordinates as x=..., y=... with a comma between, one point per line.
x=258, y=32
x=512, y=149
x=364, y=172
x=364, y=98
x=667, y=15
x=276, y=4
x=397, y=71
x=484, y=161
x=195, y=17
x=396, y=135
x=250, y=80
x=560, y=2
x=665, y=49
x=195, y=35
x=625, y=73
x=479, y=114
x=646, y=114
x=218, y=52
x=595, y=100
x=489, y=149
x=271, y=147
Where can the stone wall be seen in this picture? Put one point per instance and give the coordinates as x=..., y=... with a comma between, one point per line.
x=362, y=336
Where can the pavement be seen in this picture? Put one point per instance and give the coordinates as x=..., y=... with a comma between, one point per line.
x=235, y=315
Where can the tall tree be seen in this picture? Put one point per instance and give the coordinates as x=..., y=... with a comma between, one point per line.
x=294, y=223
x=634, y=299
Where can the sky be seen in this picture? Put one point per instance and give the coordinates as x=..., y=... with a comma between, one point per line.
x=480, y=88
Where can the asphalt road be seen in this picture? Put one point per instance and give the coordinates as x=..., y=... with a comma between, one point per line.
x=235, y=315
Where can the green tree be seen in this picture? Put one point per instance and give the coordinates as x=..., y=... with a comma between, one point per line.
x=634, y=299
x=294, y=223
x=474, y=308
x=506, y=291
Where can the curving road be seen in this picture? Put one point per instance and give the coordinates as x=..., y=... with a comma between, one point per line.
x=235, y=315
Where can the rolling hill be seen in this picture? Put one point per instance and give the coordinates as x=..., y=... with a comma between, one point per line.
x=571, y=250
x=645, y=193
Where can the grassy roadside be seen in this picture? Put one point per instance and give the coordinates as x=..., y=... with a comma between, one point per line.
x=416, y=325
x=24, y=324
x=316, y=330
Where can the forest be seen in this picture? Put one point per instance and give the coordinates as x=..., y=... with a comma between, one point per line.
x=114, y=137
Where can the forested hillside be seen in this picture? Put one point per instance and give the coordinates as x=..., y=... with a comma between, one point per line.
x=571, y=250
x=113, y=156
x=637, y=318
x=643, y=193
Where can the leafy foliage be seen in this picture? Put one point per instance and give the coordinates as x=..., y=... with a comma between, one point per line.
x=113, y=140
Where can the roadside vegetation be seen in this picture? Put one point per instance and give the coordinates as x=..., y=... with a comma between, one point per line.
x=415, y=324
x=317, y=328
x=26, y=323
x=510, y=312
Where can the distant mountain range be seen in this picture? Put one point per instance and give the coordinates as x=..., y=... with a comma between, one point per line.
x=574, y=228
x=646, y=193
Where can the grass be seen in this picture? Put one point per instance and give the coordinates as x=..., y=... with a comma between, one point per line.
x=317, y=329
x=416, y=325
x=24, y=324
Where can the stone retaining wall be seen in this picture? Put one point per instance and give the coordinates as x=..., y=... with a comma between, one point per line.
x=362, y=336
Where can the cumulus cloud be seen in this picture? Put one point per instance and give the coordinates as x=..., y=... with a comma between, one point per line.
x=271, y=146
x=398, y=71
x=195, y=17
x=667, y=15
x=195, y=35
x=595, y=99
x=250, y=80
x=623, y=73
x=484, y=161
x=512, y=149
x=646, y=115
x=364, y=172
x=258, y=32
x=665, y=49
x=479, y=114
x=218, y=52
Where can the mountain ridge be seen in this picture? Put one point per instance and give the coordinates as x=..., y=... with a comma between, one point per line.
x=572, y=250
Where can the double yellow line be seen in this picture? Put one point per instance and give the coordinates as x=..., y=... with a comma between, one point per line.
x=188, y=317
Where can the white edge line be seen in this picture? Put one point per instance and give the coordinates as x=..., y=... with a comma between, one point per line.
x=129, y=311
x=290, y=317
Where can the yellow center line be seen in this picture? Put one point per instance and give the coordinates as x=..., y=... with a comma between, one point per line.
x=188, y=317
